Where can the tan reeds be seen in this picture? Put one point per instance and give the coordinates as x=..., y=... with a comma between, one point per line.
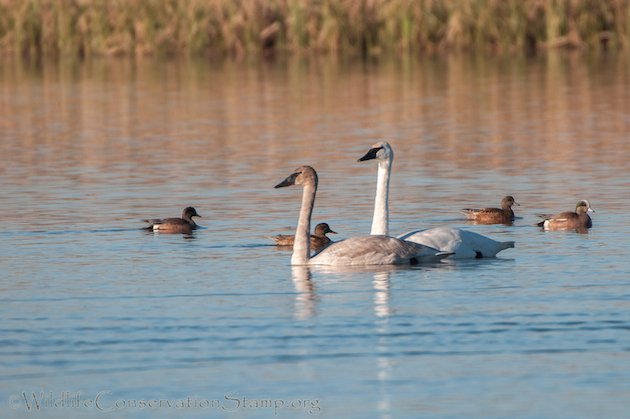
x=81, y=28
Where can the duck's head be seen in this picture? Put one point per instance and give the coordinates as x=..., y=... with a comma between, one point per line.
x=583, y=206
x=189, y=212
x=381, y=151
x=303, y=175
x=508, y=201
x=322, y=229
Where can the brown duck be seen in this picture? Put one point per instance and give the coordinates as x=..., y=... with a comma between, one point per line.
x=318, y=238
x=175, y=225
x=503, y=215
x=569, y=220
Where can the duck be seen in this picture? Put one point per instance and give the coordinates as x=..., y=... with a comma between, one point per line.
x=569, y=220
x=503, y=215
x=319, y=240
x=354, y=251
x=462, y=244
x=184, y=225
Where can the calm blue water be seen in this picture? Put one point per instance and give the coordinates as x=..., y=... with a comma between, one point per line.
x=102, y=319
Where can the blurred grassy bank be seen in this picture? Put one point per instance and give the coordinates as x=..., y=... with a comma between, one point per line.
x=81, y=28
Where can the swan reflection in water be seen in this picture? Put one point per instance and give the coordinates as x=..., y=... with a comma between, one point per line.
x=305, y=307
x=382, y=311
x=381, y=293
x=305, y=297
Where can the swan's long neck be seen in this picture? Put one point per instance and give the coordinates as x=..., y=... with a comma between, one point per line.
x=380, y=221
x=302, y=243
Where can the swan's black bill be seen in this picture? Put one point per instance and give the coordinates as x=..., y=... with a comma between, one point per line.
x=288, y=181
x=371, y=155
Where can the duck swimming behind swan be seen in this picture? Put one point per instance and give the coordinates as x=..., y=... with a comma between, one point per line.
x=357, y=251
x=503, y=215
x=183, y=225
x=319, y=240
x=464, y=244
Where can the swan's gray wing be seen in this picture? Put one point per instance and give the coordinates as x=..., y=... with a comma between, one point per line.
x=376, y=250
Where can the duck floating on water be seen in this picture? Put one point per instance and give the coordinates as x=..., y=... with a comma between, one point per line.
x=319, y=240
x=503, y=215
x=569, y=220
x=184, y=225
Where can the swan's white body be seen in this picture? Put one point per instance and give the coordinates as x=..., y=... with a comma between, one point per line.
x=464, y=244
x=355, y=251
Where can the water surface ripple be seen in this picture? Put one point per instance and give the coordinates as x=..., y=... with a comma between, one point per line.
x=92, y=304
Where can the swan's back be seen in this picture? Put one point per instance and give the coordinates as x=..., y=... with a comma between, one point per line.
x=464, y=244
x=376, y=250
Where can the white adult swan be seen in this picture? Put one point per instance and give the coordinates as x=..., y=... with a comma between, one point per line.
x=464, y=244
x=367, y=250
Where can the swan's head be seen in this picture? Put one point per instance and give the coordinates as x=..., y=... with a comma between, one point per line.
x=189, y=212
x=379, y=151
x=509, y=201
x=303, y=175
x=322, y=229
x=583, y=207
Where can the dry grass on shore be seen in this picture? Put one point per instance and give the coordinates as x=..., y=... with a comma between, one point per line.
x=81, y=28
